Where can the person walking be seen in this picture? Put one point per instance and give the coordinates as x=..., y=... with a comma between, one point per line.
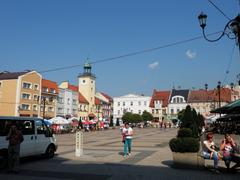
x=15, y=138
x=127, y=133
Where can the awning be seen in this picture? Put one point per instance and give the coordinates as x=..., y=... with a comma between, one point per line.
x=232, y=108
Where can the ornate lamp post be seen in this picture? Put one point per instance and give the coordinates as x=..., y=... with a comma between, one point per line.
x=219, y=93
x=231, y=29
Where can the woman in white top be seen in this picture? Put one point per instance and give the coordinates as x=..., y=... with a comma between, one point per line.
x=209, y=151
x=127, y=134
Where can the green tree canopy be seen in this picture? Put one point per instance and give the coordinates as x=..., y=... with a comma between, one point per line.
x=146, y=116
x=127, y=117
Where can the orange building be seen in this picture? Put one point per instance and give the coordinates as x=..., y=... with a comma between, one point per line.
x=19, y=93
x=49, y=99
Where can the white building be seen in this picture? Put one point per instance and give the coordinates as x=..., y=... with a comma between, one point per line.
x=135, y=104
x=67, y=104
x=177, y=102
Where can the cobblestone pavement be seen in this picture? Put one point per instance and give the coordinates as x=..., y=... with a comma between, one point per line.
x=103, y=159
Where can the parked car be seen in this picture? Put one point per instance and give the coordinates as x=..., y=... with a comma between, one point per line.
x=38, y=138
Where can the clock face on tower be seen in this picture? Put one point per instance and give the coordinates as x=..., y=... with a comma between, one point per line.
x=84, y=81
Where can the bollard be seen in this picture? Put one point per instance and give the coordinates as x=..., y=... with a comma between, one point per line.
x=79, y=144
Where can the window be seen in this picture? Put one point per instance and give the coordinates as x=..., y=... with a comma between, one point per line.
x=50, y=109
x=41, y=128
x=60, y=110
x=118, y=112
x=35, y=107
x=157, y=111
x=172, y=111
x=52, y=90
x=139, y=103
x=118, y=103
x=152, y=111
x=35, y=97
x=60, y=100
x=45, y=89
x=36, y=86
x=84, y=81
x=131, y=103
x=139, y=111
x=26, y=96
x=174, y=100
x=74, y=102
x=145, y=103
x=68, y=101
x=25, y=107
x=178, y=110
x=123, y=103
x=181, y=100
x=0, y=84
x=27, y=85
x=91, y=81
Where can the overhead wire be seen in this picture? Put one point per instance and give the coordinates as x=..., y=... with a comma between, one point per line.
x=219, y=10
x=229, y=64
x=131, y=53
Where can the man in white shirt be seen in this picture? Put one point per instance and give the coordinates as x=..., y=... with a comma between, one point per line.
x=127, y=133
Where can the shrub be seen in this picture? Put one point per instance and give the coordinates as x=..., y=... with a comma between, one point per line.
x=184, y=144
x=185, y=132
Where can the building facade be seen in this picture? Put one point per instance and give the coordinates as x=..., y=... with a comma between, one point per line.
x=159, y=104
x=130, y=103
x=20, y=93
x=49, y=99
x=67, y=105
x=87, y=87
x=177, y=102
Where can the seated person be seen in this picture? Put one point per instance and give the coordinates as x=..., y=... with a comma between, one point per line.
x=227, y=147
x=209, y=151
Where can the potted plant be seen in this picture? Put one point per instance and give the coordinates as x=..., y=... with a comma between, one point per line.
x=186, y=145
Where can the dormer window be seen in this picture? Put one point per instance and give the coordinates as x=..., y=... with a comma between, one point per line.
x=45, y=89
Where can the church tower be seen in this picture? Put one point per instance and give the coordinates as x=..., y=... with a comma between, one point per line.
x=87, y=87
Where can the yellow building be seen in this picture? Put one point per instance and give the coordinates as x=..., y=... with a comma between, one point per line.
x=87, y=88
x=20, y=93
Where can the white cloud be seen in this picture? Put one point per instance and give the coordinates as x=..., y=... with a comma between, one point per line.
x=190, y=54
x=153, y=65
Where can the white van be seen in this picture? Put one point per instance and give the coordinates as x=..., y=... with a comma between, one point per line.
x=38, y=138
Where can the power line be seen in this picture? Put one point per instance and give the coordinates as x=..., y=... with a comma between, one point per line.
x=132, y=53
x=219, y=10
x=229, y=64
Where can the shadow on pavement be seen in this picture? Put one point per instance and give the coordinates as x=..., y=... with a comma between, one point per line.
x=60, y=168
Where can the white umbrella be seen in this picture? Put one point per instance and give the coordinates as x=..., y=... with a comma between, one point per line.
x=59, y=120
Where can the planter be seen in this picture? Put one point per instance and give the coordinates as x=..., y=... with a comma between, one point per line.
x=187, y=159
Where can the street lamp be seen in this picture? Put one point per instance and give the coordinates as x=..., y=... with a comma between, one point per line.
x=219, y=93
x=231, y=29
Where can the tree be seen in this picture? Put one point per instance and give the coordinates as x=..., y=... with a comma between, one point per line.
x=146, y=116
x=192, y=120
x=200, y=122
x=180, y=114
x=187, y=118
x=127, y=117
x=136, y=118
x=194, y=126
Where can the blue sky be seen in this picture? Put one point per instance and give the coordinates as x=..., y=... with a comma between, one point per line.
x=47, y=34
